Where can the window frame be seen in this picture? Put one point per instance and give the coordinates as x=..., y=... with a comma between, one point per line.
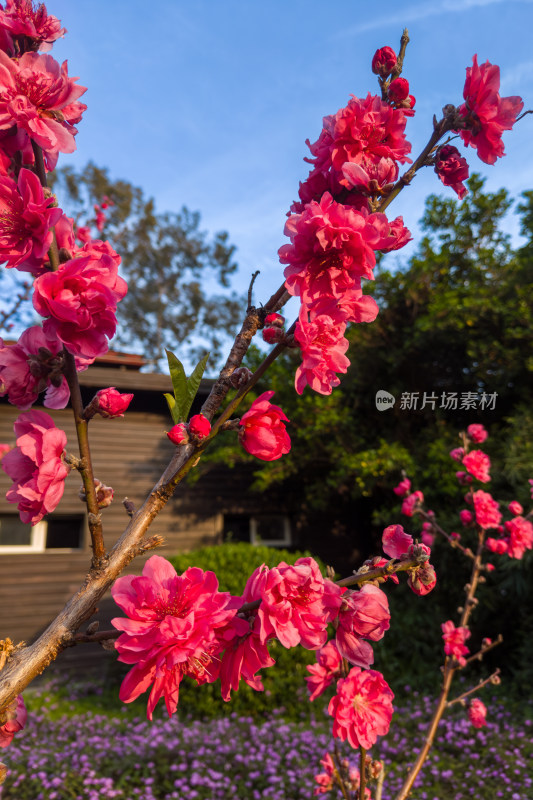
x=39, y=534
x=256, y=540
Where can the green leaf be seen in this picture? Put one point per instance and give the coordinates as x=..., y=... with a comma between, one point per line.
x=179, y=384
x=174, y=410
x=193, y=384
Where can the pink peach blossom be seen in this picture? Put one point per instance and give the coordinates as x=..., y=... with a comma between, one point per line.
x=38, y=97
x=454, y=641
x=323, y=349
x=297, y=604
x=520, y=533
x=486, y=114
x=34, y=365
x=80, y=300
x=411, y=502
x=486, y=510
x=452, y=169
x=325, y=671
x=16, y=715
x=395, y=541
x=245, y=654
x=515, y=508
x=263, y=432
x=477, y=433
x=364, y=614
x=26, y=221
x=36, y=466
x=21, y=19
x=403, y=488
x=477, y=463
x=477, y=713
x=332, y=248
x=173, y=628
x=362, y=708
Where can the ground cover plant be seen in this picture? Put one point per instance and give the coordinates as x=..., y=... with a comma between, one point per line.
x=184, y=626
x=243, y=757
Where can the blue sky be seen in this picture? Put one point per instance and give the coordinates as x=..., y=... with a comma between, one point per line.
x=209, y=103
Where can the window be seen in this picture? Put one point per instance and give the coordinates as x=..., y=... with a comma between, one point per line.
x=273, y=530
x=56, y=532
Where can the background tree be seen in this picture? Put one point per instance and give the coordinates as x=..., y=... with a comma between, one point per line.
x=172, y=267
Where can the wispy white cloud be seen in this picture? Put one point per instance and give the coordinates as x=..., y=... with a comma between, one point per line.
x=516, y=76
x=421, y=11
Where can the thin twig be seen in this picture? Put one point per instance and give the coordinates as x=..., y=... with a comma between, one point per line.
x=491, y=679
x=250, y=288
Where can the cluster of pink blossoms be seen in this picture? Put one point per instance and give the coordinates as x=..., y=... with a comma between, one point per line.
x=76, y=288
x=335, y=234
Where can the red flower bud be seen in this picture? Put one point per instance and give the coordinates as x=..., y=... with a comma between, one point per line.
x=384, y=61
x=398, y=90
x=275, y=319
x=199, y=426
x=179, y=434
x=273, y=335
x=111, y=403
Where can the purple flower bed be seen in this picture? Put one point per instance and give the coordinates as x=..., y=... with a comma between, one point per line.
x=92, y=756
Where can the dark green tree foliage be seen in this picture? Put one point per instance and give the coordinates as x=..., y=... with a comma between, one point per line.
x=172, y=267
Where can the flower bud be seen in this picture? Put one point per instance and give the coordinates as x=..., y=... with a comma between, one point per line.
x=275, y=319
x=199, y=426
x=273, y=335
x=104, y=494
x=398, y=90
x=384, y=61
x=179, y=434
x=514, y=506
x=108, y=403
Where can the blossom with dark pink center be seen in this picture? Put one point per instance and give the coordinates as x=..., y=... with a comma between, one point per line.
x=477, y=463
x=520, y=533
x=34, y=365
x=395, y=541
x=297, y=604
x=16, y=716
x=173, y=628
x=323, y=347
x=38, y=97
x=498, y=546
x=486, y=509
x=36, y=466
x=368, y=174
x=262, y=431
x=26, y=221
x=515, y=508
x=486, y=115
x=364, y=614
x=466, y=516
x=477, y=433
x=362, y=708
x=325, y=671
x=20, y=18
x=80, y=300
x=332, y=248
x=411, y=503
x=403, y=488
x=454, y=641
x=245, y=654
x=452, y=169
x=477, y=713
